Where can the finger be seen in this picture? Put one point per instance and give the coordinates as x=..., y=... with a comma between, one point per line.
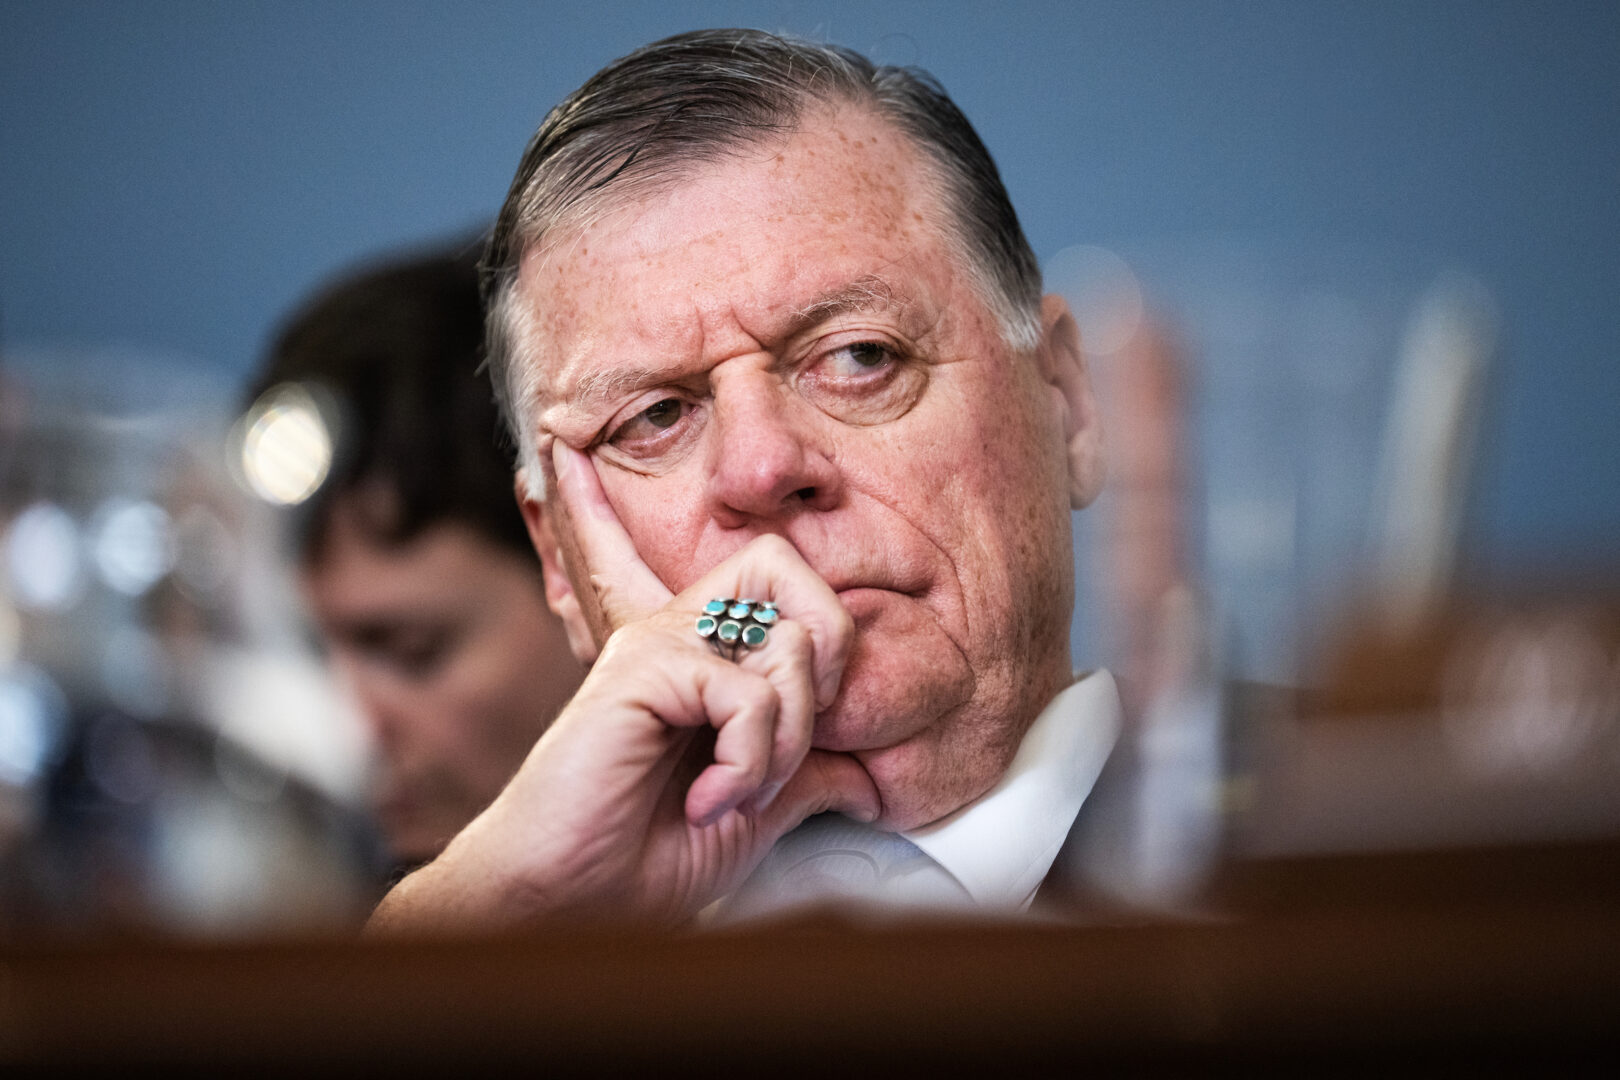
x=742, y=707
x=770, y=568
x=824, y=781
x=786, y=661
x=626, y=588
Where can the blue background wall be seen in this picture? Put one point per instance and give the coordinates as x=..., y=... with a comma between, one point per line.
x=174, y=175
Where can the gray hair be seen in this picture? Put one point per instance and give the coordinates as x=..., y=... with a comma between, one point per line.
x=649, y=119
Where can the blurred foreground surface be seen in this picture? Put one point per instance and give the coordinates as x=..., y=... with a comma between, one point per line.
x=1500, y=964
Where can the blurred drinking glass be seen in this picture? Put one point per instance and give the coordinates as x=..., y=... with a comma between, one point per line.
x=169, y=761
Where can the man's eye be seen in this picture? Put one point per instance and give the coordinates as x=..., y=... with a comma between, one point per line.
x=419, y=659
x=864, y=382
x=648, y=427
x=665, y=413
x=410, y=653
x=862, y=356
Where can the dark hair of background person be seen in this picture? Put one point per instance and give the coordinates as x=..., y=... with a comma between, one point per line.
x=398, y=346
x=646, y=119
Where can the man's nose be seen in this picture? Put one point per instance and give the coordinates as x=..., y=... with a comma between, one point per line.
x=766, y=454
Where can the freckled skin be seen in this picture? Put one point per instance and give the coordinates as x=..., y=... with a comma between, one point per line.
x=944, y=527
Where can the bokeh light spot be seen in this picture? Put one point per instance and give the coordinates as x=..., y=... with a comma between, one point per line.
x=1104, y=293
x=286, y=447
x=133, y=546
x=42, y=558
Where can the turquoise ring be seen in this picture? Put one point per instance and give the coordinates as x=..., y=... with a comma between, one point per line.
x=730, y=623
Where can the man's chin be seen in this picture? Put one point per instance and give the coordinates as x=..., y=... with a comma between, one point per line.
x=846, y=731
x=903, y=675
x=912, y=786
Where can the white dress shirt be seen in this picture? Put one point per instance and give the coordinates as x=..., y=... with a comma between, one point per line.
x=988, y=857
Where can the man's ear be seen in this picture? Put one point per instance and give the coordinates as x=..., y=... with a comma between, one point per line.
x=560, y=595
x=1063, y=366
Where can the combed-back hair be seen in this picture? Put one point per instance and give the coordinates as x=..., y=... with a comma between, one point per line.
x=398, y=345
x=651, y=118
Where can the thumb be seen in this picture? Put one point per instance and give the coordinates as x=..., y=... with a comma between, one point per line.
x=825, y=781
x=596, y=547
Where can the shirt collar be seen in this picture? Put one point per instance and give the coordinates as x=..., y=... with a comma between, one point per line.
x=1001, y=845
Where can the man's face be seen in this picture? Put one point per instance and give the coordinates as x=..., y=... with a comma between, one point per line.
x=455, y=661
x=788, y=343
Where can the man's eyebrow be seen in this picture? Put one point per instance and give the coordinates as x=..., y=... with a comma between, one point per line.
x=869, y=293
x=595, y=387
x=606, y=384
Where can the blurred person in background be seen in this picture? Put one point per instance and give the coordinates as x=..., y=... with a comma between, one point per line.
x=414, y=557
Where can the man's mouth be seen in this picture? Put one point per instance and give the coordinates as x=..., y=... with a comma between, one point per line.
x=881, y=582
x=863, y=600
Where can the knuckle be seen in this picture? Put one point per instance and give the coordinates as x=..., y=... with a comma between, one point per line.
x=796, y=743
x=837, y=629
x=757, y=690
x=791, y=636
x=645, y=641
x=673, y=622
x=620, y=642
x=756, y=767
x=772, y=546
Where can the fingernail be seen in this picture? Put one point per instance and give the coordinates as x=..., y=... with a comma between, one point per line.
x=714, y=816
x=827, y=691
x=561, y=459
x=715, y=813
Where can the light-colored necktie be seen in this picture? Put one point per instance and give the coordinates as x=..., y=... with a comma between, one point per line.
x=831, y=859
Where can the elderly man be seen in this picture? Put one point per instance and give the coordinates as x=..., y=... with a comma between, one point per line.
x=766, y=327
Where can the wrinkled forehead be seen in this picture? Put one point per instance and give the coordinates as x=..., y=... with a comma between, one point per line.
x=649, y=173
x=756, y=235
